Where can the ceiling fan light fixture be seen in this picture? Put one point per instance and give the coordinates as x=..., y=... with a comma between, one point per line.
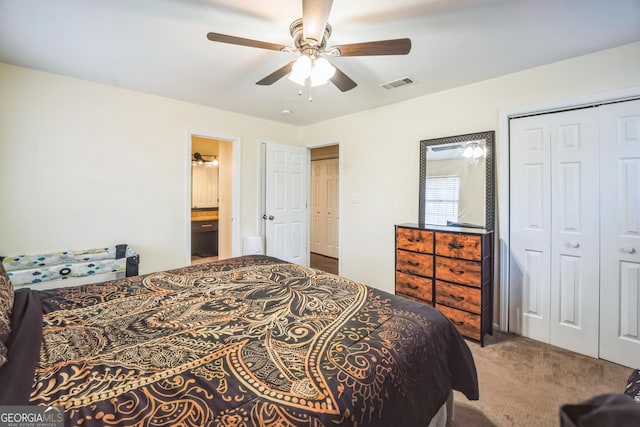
x=474, y=151
x=301, y=70
x=321, y=72
x=317, y=70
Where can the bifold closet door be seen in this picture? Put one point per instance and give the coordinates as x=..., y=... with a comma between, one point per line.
x=575, y=231
x=554, y=232
x=620, y=233
x=530, y=227
x=324, y=207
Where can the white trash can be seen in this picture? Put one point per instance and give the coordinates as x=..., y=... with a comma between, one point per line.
x=252, y=245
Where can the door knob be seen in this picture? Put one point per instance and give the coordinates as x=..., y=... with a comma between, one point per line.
x=270, y=217
x=628, y=250
x=573, y=245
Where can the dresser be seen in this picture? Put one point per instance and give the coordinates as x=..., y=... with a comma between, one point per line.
x=450, y=268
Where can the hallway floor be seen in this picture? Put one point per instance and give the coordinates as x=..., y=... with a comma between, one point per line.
x=324, y=263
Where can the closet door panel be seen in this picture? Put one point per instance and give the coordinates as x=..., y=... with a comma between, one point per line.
x=620, y=233
x=629, y=292
x=530, y=227
x=574, y=294
x=318, y=197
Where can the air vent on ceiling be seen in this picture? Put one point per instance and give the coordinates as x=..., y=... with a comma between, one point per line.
x=397, y=83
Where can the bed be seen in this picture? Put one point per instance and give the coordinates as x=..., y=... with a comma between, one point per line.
x=249, y=341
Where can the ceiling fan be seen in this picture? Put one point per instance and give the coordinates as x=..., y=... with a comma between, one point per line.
x=310, y=35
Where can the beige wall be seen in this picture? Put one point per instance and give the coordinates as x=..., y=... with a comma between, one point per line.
x=380, y=147
x=83, y=164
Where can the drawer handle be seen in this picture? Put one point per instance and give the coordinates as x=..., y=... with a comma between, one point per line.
x=414, y=287
x=458, y=272
x=456, y=245
x=415, y=239
x=206, y=225
x=413, y=263
x=458, y=298
x=458, y=322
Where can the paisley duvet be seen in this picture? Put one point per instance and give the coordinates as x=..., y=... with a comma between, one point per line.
x=250, y=341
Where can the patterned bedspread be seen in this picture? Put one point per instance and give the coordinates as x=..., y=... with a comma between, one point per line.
x=251, y=341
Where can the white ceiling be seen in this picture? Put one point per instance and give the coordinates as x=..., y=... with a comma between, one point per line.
x=160, y=46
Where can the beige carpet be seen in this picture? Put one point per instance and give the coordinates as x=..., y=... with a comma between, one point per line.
x=523, y=382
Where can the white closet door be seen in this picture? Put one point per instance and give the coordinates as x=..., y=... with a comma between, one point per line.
x=530, y=222
x=620, y=233
x=325, y=209
x=554, y=258
x=575, y=272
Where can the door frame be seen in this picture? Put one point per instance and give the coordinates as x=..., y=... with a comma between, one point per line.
x=235, y=203
x=260, y=202
x=504, y=115
x=319, y=144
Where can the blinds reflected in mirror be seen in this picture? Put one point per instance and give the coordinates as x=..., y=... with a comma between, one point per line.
x=442, y=193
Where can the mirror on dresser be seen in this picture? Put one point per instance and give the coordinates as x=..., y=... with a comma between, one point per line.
x=456, y=181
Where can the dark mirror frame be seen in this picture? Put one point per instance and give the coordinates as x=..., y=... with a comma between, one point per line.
x=489, y=137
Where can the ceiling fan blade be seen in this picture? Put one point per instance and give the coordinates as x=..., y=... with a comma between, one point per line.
x=315, y=14
x=276, y=75
x=381, y=47
x=342, y=81
x=223, y=38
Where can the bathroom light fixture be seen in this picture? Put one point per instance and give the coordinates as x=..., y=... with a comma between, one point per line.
x=198, y=159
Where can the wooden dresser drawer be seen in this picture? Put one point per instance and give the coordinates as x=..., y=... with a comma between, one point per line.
x=414, y=240
x=414, y=263
x=417, y=287
x=468, y=324
x=462, y=246
x=457, y=296
x=459, y=271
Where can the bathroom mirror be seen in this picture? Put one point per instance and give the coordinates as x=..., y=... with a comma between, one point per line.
x=457, y=181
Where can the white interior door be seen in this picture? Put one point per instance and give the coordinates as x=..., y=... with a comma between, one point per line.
x=530, y=227
x=286, y=202
x=620, y=233
x=575, y=250
x=324, y=207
